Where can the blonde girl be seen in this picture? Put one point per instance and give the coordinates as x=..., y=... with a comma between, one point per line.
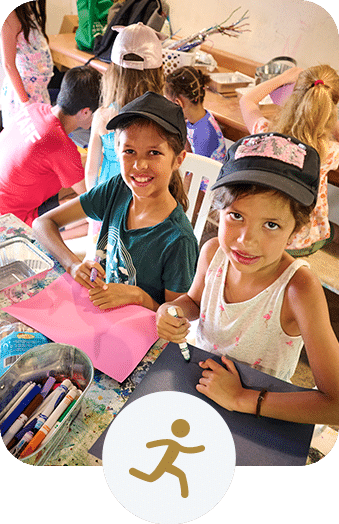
x=255, y=303
x=309, y=114
x=146, y=240
x=136, y=67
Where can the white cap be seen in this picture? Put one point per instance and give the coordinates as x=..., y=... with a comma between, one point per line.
x=137, y=39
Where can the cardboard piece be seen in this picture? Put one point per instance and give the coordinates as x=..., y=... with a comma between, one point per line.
x=115, y=340
x=258, y=442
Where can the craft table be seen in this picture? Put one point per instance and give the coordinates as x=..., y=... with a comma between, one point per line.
x=105, y=396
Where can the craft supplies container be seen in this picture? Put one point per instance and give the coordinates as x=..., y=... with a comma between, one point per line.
x=20, y=261
x=60, y=361
x=229, y=82
x=273, y=68
x=173, y=59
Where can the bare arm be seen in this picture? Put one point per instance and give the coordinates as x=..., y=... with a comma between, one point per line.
x=249, y=103
x=94, y=156
x=188, y=305
x=46, y=230
x=9, y=33
x=309, y=307
x=79, y=187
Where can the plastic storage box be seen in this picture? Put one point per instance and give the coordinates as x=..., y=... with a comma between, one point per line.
x=56, y=360
x=173, y=59
x=20, y=261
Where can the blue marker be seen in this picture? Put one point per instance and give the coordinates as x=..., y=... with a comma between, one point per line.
x=94, y=271
x=183, y=346
x=19, y=409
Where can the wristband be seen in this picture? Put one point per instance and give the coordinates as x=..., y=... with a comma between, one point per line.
x=261, y=397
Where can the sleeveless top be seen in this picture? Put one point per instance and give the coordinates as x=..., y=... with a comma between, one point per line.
x=35, y=65
x=248, y=331
x=110, y=165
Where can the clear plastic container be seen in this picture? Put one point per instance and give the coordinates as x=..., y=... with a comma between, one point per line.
x=21, y=261
x=56, y=360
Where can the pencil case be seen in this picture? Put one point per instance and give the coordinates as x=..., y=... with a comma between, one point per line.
x=59, y=361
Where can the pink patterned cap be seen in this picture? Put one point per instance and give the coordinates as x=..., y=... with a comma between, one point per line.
x=273, y=160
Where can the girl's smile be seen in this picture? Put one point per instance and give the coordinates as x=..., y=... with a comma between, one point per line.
x=254, y=231
x=147, y=161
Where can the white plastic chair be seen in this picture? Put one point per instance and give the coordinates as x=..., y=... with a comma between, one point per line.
x=199, y=166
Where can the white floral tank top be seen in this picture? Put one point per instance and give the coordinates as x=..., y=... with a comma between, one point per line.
x=248, y=331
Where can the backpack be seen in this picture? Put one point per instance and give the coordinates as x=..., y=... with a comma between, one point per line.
x=151, y=12
x=92, y=16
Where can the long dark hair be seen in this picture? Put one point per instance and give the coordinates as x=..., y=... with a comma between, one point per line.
x=31, y=15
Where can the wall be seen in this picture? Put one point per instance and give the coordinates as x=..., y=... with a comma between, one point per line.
x=297, y=28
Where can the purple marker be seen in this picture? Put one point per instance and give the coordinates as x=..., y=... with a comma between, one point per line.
x=94, y=271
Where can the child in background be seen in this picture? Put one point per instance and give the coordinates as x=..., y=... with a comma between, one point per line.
x=146, y=239
x=255, y=303
x=26, y=58
x=309, y=114
x=136, y=68
x=186, y=87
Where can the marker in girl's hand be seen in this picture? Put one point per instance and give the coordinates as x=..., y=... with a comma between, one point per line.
x=183, y=346
x=94, y=271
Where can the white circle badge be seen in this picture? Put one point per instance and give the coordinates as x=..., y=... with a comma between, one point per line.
x=169, y=457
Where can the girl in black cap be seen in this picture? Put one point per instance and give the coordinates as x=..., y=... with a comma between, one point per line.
x=145, y=240
x=309, y=113
x=255, y=303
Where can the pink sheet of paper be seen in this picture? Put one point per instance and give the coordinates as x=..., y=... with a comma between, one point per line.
x=115, y=340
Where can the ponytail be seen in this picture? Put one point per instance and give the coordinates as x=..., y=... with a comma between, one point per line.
x=310, y=114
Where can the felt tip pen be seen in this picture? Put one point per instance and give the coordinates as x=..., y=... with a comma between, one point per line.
x=61, y=418
x=11, y=397
x=94, y=271
x=8, y=438
x=45, y=429
x=22, y=419
x=53, y=399
x=22, y=443
x=183, y=346
x=19, y=409
x=56, y=397
x=16, y=400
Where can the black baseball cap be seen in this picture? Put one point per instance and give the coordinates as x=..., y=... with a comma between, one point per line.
x=274, y=160
x=154, y=107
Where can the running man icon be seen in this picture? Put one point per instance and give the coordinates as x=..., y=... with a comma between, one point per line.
x=180, y=428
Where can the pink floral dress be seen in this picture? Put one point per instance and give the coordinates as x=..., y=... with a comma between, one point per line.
x=35, y=65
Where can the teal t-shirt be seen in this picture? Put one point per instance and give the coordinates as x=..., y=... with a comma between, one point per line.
x=154, y=258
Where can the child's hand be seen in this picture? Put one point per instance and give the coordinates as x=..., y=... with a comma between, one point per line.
x=220, y=384
x=82, y=274
x=172, y=328
x=112, y=295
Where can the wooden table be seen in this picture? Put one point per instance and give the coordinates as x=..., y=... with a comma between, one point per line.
x=226, y=110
